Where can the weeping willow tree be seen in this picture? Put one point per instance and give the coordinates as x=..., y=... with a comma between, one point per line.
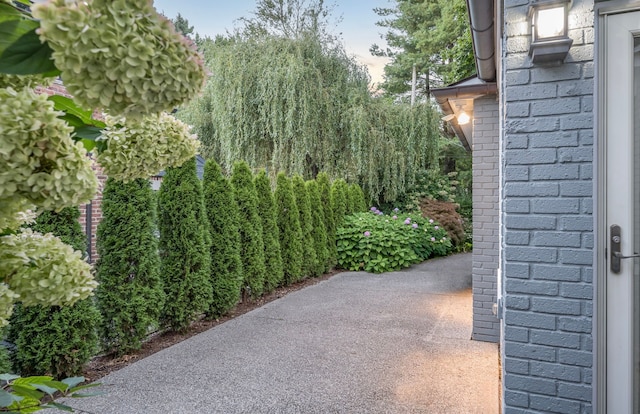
x=301, y=106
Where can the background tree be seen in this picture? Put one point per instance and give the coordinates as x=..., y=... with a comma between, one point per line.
x=290, y=19
x=130, y=294
x=319, y=229
x=226, y=265
x=324, y=185
x=184, y=246
x=302, y=106
x=431, y=36
x=289, y=230
x=250, y=228
x=270, y=234
x=310, y=262
x=182, y=26
x=55, y=340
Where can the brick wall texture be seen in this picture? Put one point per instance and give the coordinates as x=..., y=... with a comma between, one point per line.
x=486, y=326
x=547, y=209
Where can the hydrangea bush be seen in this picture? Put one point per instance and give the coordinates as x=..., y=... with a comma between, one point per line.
x=39, y=162
x=151, y=144
x=376, y=242
x=121, y=55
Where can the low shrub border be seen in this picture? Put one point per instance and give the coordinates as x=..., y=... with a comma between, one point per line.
x=375, y=242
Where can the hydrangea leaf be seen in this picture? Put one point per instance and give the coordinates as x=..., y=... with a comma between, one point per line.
x=28, y=56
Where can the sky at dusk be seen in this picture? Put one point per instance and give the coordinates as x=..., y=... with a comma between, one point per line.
x=356, y=22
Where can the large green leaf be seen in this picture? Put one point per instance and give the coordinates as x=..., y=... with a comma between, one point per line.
x=27, y=391
x=62, y=103
x=88, y=132
x=59, y=406
x=8, y=12
x=73, y=381
x=6, y=399
x=28, y=56
x=12, y=29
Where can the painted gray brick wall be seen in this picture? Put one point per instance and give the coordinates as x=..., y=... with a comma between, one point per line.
x=547, y=220
x=486, y=147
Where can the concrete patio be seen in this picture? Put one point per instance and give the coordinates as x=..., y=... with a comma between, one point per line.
x=356, y=343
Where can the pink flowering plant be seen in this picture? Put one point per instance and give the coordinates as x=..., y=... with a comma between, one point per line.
x=377, y=242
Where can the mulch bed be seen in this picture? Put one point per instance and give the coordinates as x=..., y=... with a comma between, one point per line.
x=103, y=365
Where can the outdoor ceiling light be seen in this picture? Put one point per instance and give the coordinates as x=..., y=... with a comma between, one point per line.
x=550, y=42
x=463, y=118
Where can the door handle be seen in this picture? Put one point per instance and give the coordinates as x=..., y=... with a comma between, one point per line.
x=615, y=242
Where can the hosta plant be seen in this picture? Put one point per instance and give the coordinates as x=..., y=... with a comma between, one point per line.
x=375, y=242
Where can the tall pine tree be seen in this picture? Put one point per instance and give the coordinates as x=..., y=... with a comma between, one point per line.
x=270, y=233
x=250, y=227
x=319, y=228
x=56, y=340
x=130, y=294
x=289, y=229
x=185, y=263
x=226, y=266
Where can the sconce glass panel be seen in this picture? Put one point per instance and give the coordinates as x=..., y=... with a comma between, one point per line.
x=550, y=23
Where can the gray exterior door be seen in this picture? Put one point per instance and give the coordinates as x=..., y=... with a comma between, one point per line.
x=621, y=127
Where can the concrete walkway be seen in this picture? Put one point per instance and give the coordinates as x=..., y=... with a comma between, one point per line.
x=356, y=343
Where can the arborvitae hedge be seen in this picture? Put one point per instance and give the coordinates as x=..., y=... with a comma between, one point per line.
x=319, y=229
x=55, y=340
x=339, y=190
x=310, y=258
x=356, y=199
x=226, y=265
x=250, y=226
x=184, y=247
x=130, y=294
x=325, y=198
x=289, y=230
x=270, y=233
x=5, y=362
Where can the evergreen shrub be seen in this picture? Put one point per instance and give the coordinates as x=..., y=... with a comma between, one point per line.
x=324, y=186
x=270, y=234
x=185, y=263
x=250, y=228
x=55, y=340
x=319, y=229
x=130, y=294
x=226, y=265
x=289, y=230
x=375, y=242
x=5, y=361
x=357, y=201
x=339, y=194
x=310, y=262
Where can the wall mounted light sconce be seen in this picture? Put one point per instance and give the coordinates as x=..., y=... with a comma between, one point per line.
x=463, y=118
x=550, y=42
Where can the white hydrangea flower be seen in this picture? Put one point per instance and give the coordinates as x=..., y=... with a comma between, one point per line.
x=120, y=55
x=39, y=162
x=7, y=298
x=142, y=148
x=18, y=82
x=42, y=270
